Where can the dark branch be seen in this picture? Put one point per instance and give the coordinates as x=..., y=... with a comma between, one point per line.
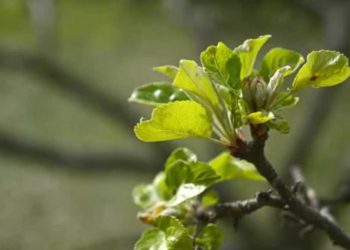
x=238, y=209
x=254, y=152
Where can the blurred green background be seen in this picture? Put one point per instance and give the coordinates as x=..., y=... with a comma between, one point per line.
x=68, y=156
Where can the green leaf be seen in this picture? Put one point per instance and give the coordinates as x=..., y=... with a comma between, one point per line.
x=152, y=239
x=248, y=52
x=169, y=234
x=160, y=186
x=167, y=70
x=278, y=58
x=181, y=172
x=176, y=120
x=280, y=124
x=284, y=100
x=210, y=238
x=184, y=154
x=148, y=195
x=230, y=168
x=145, y=196
x=222, y=64
x=192, y=78
x=178, y=173
x=185, y=192
x=203, y=174
x=260, y=117
x=157, y=93
x=323, y=68
x=209, y=198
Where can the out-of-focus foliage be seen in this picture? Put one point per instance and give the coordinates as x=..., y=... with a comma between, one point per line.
x=112, y=44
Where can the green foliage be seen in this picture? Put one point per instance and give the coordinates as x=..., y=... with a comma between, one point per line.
x=192, y=78
x=222, y=64
x=210, y=237
x=278, y=58
x=168, y=234
x=215, y=101
x=230, y=168
x=167, y=70
x=323, y=68
x=157, y=93
x=175, y=120
x=185, y=182
x=248, y=52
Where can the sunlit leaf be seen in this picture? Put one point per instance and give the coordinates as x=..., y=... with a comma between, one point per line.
x=157, y=93
x=230, y=168
x=167, y=70
x=185, y=192
x=260, y=117
x=323, y=68
x=222, y=64
x=153, y=238
x=211, y=237
x=175, y=120
x=168, y=234
x=248, y=52
x=278, y=58
x=191, y=77
x=209, y=198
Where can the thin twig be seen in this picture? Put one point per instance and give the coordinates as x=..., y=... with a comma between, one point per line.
x=254, y=152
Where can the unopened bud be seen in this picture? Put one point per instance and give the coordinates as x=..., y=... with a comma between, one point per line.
x=255, y=92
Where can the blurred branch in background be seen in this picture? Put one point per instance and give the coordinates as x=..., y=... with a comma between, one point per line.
x=74, y=160
x=43, y=17
x=336, y=32
x=81, y=89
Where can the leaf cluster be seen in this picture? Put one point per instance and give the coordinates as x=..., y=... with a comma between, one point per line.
x=214, y=101
x=183, y=186
x=227, y=91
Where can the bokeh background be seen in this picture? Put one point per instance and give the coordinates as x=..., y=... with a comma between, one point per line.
x=68, y=156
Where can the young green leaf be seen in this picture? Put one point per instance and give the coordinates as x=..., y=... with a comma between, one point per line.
x=230, y=168
x=169, y=234
x=185, y=192
x=222, y=64
x=323, y=68
x=284, y=100
x=248, y=52
x=181, y=172
x=145, y=196
x=280, y=124
x=157, y=93
x=211, y=237
x=260, y=117
x=153, y=238
x=209, y=198
x=192, y=78
x=176, y=120
x=167, y=70
x=182, y=153
x=278, y=58
x=177, y=173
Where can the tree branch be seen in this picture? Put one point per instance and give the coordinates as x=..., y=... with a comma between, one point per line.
x=238, y=209
x=254, y=152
